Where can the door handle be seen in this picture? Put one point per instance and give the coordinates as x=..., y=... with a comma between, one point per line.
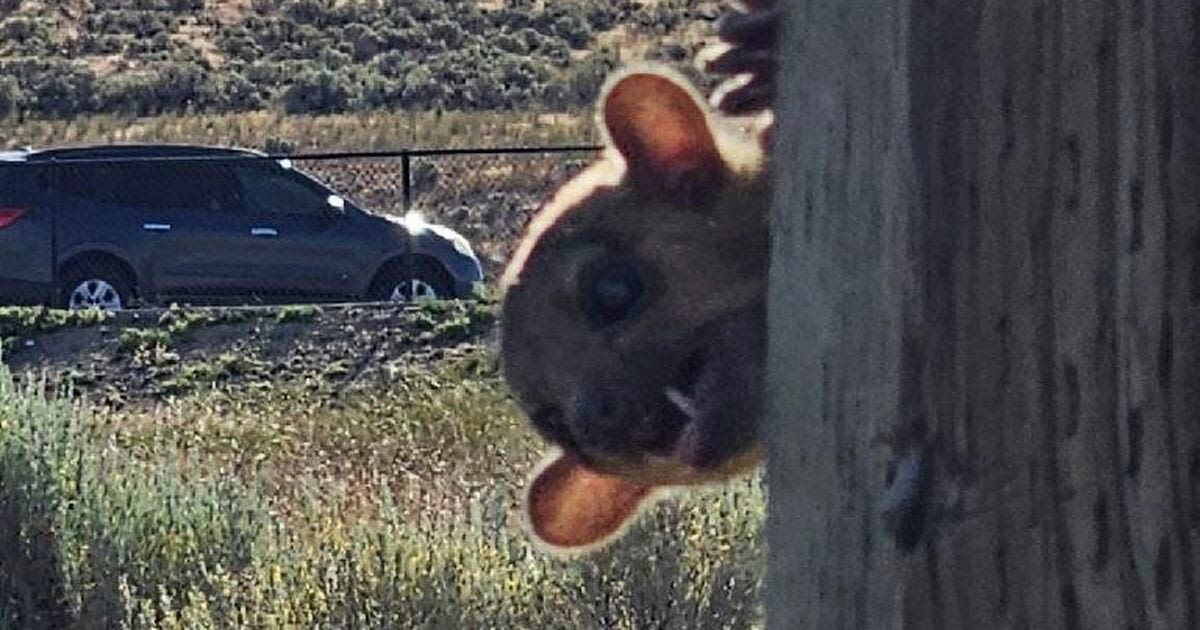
x=264, y=231
x=156, y=227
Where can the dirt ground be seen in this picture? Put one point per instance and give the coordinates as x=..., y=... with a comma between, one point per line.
x=145, y=356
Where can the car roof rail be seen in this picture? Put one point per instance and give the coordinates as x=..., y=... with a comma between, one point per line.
x=147, y=150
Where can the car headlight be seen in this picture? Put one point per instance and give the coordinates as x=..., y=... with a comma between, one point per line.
x=458, y=241
x=462, y=246
x=416, y=224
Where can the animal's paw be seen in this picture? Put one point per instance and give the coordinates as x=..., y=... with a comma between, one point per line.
x=746, y=54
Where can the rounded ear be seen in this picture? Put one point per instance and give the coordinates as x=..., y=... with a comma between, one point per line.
x=661, y=129
x=570, y=508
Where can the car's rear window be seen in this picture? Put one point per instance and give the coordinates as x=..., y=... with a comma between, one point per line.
x=6, y=185
x=150, y=185
x=13, y=187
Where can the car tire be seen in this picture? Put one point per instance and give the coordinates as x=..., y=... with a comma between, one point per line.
x=102, y=286
x=426, y=281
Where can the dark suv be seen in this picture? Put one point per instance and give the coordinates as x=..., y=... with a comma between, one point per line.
x=108, y=226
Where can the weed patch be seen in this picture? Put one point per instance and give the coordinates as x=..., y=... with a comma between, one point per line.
x=18, y=322
x=134, y=341
x=297, y=313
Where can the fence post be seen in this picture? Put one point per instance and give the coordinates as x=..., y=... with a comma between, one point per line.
x=406, y=176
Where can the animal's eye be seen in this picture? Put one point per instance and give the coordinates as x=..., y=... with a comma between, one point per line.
x=611, y=292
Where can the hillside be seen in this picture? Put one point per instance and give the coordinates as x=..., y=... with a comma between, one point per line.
x=61, y=58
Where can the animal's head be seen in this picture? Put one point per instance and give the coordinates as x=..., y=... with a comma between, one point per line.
x=633, y=314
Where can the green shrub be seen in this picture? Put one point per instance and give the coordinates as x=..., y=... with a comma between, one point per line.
x=421, y=90
x=135, y=340
x=10, y=96
x=102, y=534
x=55, y=87
x=574, y=30
x=315, y=12
x=275, y=53
x=23, y=30
x=580, y=86
x=364, y=41
x=297, y=313
x=318, y=92
x=230, y=92
x=140, y=24
x=27, y=321
x=135, y=93
x=161, y=87
x=602, y=16
x=87, y=535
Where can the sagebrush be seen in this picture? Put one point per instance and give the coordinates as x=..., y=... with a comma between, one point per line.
x=178, y=518
x=147, y=57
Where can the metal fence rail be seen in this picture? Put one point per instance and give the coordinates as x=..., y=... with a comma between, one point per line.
x=485, y=194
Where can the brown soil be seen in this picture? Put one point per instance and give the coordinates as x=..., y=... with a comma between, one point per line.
x=148, y=356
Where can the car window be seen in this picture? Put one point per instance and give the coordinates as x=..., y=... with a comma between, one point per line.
x=213, y=186
x=7, y=181
x=17, y=183
x=268, y=187
x=148, y=185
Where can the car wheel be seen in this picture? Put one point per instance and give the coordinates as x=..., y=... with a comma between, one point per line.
x=426, y=282
x=99, y=287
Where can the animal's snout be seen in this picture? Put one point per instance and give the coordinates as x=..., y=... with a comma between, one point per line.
x=602, y=421
x=599, y=419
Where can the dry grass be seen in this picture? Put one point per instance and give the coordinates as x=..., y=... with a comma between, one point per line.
x=431, y=436
x=390, y=507
x=376, y=131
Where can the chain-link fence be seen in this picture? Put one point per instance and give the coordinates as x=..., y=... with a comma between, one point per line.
x=488, y=195
x=122, y=226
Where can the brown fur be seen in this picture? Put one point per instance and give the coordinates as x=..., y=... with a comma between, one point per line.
x=682, y=198
x=633, y=325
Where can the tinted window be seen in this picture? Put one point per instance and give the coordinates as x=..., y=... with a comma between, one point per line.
x=147, y=185
x=7, y=193
x=15, y=183
x=268, y=187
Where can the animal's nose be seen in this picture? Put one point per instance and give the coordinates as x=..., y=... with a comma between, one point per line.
x=599, y=419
